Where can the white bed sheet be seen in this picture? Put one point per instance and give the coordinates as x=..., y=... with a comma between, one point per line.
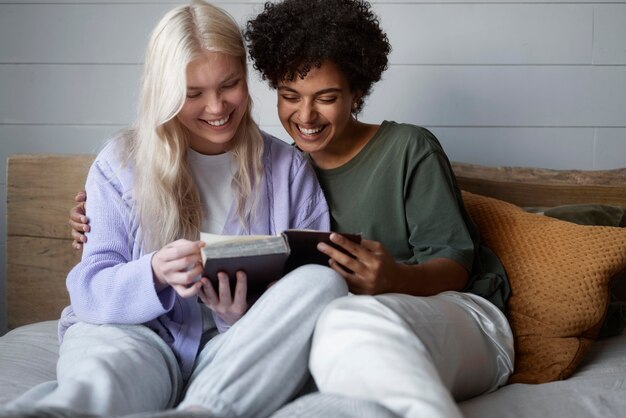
x=28, y=357
x=598, y=389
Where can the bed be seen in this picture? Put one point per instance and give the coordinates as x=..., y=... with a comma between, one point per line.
x=569, y=280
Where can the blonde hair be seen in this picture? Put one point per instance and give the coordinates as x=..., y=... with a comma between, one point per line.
x=167, y=199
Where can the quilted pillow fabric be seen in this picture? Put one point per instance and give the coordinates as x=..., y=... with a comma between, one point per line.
x=559, y=274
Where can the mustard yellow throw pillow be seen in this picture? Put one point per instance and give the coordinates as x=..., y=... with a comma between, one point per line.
x=559, y=274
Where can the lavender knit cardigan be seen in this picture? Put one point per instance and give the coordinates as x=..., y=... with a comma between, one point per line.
x=113, y=282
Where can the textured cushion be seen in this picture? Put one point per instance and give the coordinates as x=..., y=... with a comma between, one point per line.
x=605, y=215
x=559, y=274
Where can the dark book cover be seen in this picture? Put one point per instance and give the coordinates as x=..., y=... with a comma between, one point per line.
x=265, y=259
x=260, y=269
x=303, y=245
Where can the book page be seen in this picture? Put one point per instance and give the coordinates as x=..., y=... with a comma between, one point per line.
x=216, y=238
x=232, y=246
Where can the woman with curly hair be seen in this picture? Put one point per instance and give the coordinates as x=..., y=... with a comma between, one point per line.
x=426, y=327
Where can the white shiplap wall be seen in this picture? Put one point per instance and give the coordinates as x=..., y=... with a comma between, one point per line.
x=527, y=83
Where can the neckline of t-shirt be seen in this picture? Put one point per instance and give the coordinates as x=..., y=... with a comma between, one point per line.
x=367, y=149
x=208, y=160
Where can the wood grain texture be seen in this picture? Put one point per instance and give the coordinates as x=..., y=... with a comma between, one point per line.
x=40, y=193
x=544, y=188
x=37, y=268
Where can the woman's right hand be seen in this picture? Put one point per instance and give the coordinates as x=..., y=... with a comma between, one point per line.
x=79, y=221
x=178, y=265
x=229, y=307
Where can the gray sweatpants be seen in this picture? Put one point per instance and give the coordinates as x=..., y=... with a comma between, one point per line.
x=416, y=356
x=249, y=371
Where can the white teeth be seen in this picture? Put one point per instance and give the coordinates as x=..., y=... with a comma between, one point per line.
x=218, y=122
x=310, y=131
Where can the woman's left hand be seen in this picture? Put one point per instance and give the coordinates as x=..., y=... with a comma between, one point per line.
x=230, y=308
x=373, y=269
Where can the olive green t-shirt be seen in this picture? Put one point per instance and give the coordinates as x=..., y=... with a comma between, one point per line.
x=400, y=190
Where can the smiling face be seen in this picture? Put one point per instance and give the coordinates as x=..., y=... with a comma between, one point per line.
x=217, y=99
x=317, y=111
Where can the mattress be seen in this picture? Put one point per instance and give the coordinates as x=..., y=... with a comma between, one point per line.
x=598, y=389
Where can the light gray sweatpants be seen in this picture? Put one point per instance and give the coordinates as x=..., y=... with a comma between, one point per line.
x=416, y=356
x=248, y=371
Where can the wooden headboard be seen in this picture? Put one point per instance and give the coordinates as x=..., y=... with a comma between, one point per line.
x=40, y=193
x=535, y=187
x=41, y=189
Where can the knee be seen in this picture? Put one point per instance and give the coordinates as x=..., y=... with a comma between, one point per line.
x=341, y=331
x=319, y=282
x=346, y=312
x=328, y=280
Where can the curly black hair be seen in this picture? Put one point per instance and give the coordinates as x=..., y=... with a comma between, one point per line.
x=292, y=36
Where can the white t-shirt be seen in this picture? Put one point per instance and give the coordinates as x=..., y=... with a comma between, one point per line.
x=213, y=175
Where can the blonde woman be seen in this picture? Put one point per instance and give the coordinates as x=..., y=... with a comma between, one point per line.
x=135, y=337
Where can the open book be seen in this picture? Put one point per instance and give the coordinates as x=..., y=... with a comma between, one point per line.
x=264, y=258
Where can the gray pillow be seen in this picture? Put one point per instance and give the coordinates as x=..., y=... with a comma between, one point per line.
x=603, y=215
